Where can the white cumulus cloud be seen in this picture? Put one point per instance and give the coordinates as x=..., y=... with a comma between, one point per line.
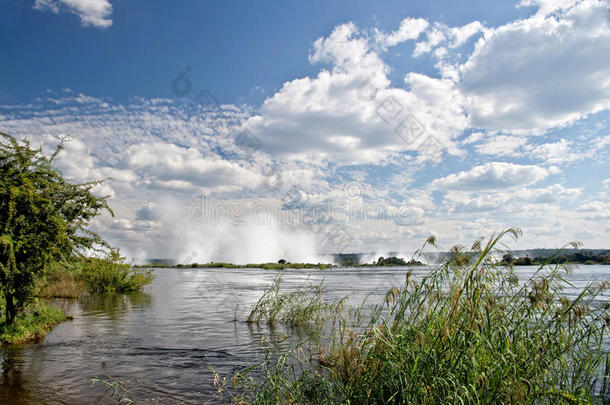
x=542, y=72
x=94, y=13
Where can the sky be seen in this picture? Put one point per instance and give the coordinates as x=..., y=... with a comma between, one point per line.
x=254, y=131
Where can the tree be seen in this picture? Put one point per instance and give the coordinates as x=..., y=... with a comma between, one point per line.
x=508, y=259
x=42, y=218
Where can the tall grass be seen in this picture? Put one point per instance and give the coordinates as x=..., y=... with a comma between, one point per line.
x=465, y=333
x=303, y=306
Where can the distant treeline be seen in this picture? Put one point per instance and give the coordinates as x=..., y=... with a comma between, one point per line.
x=576, y=257
x=516, y=258
x=280, y=265
x=283, y=264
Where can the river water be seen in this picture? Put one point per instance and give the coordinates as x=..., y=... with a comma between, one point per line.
x=161, y=343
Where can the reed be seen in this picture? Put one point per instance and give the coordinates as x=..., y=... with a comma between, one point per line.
x=303, y=306
x=465, y=333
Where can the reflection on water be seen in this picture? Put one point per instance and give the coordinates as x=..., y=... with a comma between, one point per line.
x=162, y=342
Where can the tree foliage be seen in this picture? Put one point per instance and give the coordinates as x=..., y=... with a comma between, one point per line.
x=43, y=217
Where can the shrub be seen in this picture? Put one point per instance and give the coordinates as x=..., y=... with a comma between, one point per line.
x=112, y=274
x=78, y=275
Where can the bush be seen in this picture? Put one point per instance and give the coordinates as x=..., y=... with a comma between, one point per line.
x=111, y=274
x=63, y=284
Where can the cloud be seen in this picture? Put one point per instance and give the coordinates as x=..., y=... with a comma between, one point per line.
x=462, y=34
x=351, y=114
x=503, y=202
x=492, y=176
x=94, y=13
x=170, y=166
x=555, y=152
x=522, y=78
x=546, y=7
x=500, y=145
x=434, y=36
x=410, y=28
x=542, y=72
x=595, y=206
x=595, y=210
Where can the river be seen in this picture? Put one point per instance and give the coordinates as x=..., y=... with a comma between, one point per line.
x=161, y=343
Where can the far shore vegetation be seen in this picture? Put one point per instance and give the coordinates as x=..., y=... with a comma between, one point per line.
x=587, y=257
x=280, y=265
x=553, y=256
x=44, y=238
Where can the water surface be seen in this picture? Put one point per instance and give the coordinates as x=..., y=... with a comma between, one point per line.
x=162, y=342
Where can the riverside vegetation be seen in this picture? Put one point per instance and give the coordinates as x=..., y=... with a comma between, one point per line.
x=78, y=276
x=44, y=230
x=468, y=332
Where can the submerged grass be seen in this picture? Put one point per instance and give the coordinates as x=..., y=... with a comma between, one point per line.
x=115, y=389
x=465, y=333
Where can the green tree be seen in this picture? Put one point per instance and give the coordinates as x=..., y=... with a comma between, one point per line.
x=42, y=218
x=508, y=259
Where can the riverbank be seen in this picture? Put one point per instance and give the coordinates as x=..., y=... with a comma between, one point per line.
x=70, y=279
x=32, y=325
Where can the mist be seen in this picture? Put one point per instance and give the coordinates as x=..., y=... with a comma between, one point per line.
x=184, y=239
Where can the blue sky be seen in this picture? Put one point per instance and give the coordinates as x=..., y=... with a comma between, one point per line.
x=231, y=48
x=321, y=126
